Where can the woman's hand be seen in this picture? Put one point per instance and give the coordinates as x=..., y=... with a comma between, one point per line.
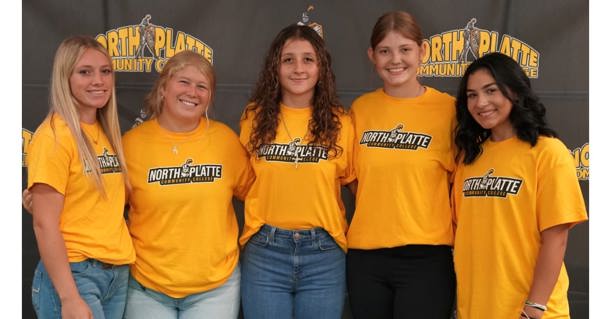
x=75, y=308
x=532, y=313
x=26, y=200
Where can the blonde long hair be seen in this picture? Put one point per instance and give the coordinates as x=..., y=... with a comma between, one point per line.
x=64, y=104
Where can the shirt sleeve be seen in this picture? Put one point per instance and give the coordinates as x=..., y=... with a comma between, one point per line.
x=348, y=129
x=49, y=161
x=559, y=198
x=245, y=177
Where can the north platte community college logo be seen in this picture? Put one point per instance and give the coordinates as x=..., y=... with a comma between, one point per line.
x=448, y=54
x=109, y=163
x=187, y=173
x=293, y=152
x=395, y=138
x=145, y=46
x=581, y=161
x=314, y=25
x=26, y=138
x=491, y=186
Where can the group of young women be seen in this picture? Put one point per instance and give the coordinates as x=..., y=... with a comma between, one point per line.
x=502, y=226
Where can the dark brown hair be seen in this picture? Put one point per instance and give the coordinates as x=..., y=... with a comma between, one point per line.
x=527, y=116
x=264, y=104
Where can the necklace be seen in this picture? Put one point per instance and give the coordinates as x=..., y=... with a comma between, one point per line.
x=293, y=142
x=176, y=144
x=93, y=138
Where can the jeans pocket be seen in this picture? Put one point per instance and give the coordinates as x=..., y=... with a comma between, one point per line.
x=80, y=268
x=134, y=284
x=259, y=239
x=327, y=243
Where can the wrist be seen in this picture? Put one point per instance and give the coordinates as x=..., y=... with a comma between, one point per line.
x=532, y=310
x=69, y=297
x=535, y=305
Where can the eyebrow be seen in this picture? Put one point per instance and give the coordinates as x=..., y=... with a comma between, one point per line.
x=484, y=86
x=91, y=66
x=303, y=53
x=183, y=77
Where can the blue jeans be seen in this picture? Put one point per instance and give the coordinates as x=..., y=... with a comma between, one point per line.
x=292, y=274
x=219, y=303
x=103, y=287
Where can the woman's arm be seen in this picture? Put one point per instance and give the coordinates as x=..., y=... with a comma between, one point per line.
x=47, y=204
x=353, y=187
x=550, y=258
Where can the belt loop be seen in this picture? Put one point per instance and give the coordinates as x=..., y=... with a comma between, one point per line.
x=314, y=240
x=272, y=234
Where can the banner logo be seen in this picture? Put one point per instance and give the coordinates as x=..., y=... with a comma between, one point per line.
x=314, y=25
x=26, y=138
x=448, y=54
x=145, y=47
x=581, y=161
x=491, y=186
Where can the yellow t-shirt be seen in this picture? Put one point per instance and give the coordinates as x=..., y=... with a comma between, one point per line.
x=403, y=157
x=92, y=226
x=300, y=195
x=181, y=215
x=503, y=201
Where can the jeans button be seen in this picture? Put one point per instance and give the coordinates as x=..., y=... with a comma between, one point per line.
x=297, y=236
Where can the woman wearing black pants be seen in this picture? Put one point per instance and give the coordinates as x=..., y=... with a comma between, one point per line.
x=399, y=262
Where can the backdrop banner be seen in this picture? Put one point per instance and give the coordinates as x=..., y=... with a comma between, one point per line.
x=549, y=39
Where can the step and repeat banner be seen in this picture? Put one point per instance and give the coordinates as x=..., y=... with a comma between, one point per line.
x=549, y=39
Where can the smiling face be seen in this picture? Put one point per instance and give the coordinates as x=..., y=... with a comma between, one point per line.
x=396, y=59
x=298, y=72
x=91, y=83
x=488, y=105
x=186, y=95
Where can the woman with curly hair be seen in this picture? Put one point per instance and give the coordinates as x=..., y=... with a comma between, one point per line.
x=300, y=140
x=516, y=196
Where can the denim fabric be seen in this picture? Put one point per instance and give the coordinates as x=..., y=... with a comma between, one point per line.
x=292, y=274
x=218, y=303
x=103, y=288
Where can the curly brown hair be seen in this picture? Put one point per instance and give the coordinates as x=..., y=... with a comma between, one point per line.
x=264, y=103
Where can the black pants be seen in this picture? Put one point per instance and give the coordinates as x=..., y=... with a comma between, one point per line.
x=413, y=281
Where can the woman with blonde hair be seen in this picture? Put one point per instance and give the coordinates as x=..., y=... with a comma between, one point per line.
x=77, y=178
x=184, y=169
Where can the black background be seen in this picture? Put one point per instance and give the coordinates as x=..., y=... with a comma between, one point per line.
x=239, y=32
